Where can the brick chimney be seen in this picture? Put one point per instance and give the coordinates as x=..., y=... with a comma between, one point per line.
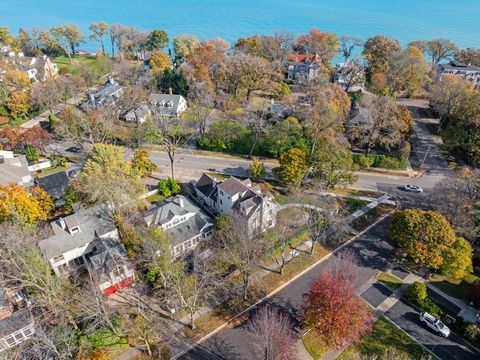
x=170, y=91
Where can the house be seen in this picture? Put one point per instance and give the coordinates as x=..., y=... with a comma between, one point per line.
x=55, y=185
x=14, y=169
x=106, y=95
x=465, y=71
x=37, y=68
x=158, y=104
x=280, y=111
x=182, y=221
x=16, y=321
x=249, y=204
x=303, y=67
x=88, y=241
x=350, y=77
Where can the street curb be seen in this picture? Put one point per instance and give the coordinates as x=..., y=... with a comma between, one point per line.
x=410, y=336
x=285, y=284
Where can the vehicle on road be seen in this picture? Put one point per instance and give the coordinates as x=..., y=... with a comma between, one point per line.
x=413, y=188
x=433, y=323
x=74, y=149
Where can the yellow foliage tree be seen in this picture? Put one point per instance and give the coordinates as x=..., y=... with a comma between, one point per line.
x=293, y=166
x=159, y=62
x=18, y=104
x=18, y=204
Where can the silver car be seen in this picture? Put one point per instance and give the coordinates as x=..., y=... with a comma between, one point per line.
x=413, y=188
x=433, y=323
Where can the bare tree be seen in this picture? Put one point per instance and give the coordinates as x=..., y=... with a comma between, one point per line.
x=132, y=97
x=272, y=335
x=440, y=49
x=348, y=45
x=320, y=226
x=202, y=106
x=98, y=31
x=238, y=248
x=259, y=124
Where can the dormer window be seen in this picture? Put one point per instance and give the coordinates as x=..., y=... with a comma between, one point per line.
x=75, y=230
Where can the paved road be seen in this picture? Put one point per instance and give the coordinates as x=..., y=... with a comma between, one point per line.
x=375, y=251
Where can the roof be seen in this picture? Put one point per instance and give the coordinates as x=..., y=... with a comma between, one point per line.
x=250, y=202
x=360, y=116
x=108, y=94
x=157, y=101
x=300, y=58
x=187, y=229
x=233, y=186
x=93, y=223
x=206, y=185
x=54, y=184
x=457, y=65
x=109, y=255
x=13, y=169
x=19, y=319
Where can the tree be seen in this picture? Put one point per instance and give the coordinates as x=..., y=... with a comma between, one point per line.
x=159, y=63
x=168, y=187
x=16, y=80
x=142, y=164
x=171, y=134
x=474, y=292
x=157, y=40
x=31, y=153
x=320, y=226
x=332, y=309
x=98, y=31
x=257, y=169
x=18, y=103
x=424, y=236
x=272, y=335
x=440, y=49
x=202, y=61
x=378, y=51
x=176, y=81
x=46, y=95
x=458, y=259
x=24, y=206
x=183, y=45
x=278, y=46
x=324, y=44
x=468, y=56
x=107, y=178
x=387, y=126
x=293, y=167
x=348, y=45
x=67, y=37
x=238, y=248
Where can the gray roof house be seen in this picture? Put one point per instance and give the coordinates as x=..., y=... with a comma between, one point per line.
x=303, y=67
x=106, y=95
x=465, y=71
x=55, y=185
x=182, y=221
x=350, y=77
x=158, y=104
x=85, y=235
x=14, y=169
x=37, y=68
x=16, y=321
x=248, y=203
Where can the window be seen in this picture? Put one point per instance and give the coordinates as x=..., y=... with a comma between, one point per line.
x=221, y=202
x=10, y=340
x=221, y=193
x=27, y=331
x=119, y=272
x=79, y=261
x=58, y=258
x=18, y=336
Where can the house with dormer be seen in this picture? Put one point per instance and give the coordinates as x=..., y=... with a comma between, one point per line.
x=248, y=203
x=88, y=241
x=107, y=95
x=185, y=224
x=160, y=105
x=303, y=67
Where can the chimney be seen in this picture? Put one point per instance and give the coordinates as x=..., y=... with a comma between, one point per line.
x=180, y=201
x=62, y=223
x=170, y=91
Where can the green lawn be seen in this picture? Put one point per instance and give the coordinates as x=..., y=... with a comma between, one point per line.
x=52, y=170
x=390, y=280
x=315, y=347
x=155, y=198
x=384, y=337
x=64, y=62
x=352, y=205
x=455, y=288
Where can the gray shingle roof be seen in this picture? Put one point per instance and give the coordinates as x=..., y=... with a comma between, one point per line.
x=19, y=319
x=232, y=186
x=93, y=222
x=12, y=170
x=54, y=184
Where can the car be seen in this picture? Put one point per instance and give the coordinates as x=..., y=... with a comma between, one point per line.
x=433, y=323
x=413, y=188
x=74, y=149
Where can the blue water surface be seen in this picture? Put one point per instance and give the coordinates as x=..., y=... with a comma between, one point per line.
x=405, y=20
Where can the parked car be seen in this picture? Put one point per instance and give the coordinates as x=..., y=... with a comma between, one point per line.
x=413, y=188
x=433, y=323
x=74, y=149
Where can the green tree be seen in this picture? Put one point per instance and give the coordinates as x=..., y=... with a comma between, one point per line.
x=31, y=153
x=458, y=259
x=293, y=167
x=174, y=80
x=157, y=40
x=425, y=236
x=67, y=37
x=168, y=187
x=257, y=169
x=184, y=44
x=378, y=52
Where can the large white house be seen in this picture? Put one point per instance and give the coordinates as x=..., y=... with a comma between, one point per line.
x=467, y=72
x=14, y=169
x=158, y=104
x=88, y=241
x=182, y=221
x=246, y=202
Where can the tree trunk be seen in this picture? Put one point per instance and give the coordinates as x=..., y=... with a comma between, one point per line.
x=282, y=265
x=103, y=45
x=255, y=140
x=192, y=320
x=246, y=280
x=147, y=344
x=69, y=57
x=312, y=248
x=112, y=40
x=171, y=155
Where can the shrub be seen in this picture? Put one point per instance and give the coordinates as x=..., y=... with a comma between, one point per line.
x=31, y=153
x=52, y=119
x=3, y=111
x=4, y=120
x=168, y=187
x=429, y=306
x=380, y=161
x=417, y=292
x=364, y=161
x=472, y=332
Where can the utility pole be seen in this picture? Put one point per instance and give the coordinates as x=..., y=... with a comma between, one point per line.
x=425, y=157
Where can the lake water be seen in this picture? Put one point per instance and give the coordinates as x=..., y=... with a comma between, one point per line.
x=405, y=20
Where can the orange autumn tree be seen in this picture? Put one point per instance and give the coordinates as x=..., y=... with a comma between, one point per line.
x=19, y=204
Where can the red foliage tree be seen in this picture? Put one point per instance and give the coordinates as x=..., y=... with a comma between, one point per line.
x=272, y=335
x=332, y=308
x=36, y=137
x=8, y=138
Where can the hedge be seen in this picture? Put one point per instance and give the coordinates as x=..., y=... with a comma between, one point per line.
x=380, y=161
